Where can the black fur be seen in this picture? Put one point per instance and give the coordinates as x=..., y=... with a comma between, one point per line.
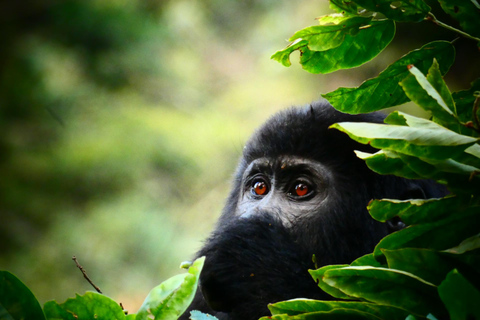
x=262, y=248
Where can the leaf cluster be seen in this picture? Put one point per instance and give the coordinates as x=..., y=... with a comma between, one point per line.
x=430, y=269
x=168, y=300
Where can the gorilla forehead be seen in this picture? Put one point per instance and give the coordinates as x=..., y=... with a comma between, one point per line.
x=304, y=132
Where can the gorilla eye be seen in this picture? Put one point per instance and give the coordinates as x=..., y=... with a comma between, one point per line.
x=301, y=189
x=260, y=188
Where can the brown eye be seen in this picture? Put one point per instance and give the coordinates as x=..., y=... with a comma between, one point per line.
x=260, y=188
x=301, y=189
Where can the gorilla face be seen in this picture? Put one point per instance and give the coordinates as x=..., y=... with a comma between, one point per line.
x=291, y=188
x=299, y=190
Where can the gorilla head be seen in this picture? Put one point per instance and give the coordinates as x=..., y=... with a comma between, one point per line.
x=299, y=190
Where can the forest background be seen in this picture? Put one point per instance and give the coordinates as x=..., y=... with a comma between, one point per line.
x=121, y=123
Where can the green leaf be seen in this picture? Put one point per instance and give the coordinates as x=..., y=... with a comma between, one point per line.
x=432, y=94
x=384, y=91
x=430, y=141
x=355, y=50
x=403, y=10
x=283, y=56
x=331, y=32
x=464, y=101
x=197, y=315
x=460, y=178
x=387, y=162
x=91, y=305
x=306, y=306
x=367, y=260
x=466, y=12
x=16, y=300
x=318, y=275
x=460, y=297
x=344, y=6
x=387, y=287
x=335, y=314
x=171, y=298
x=417, y=211
x=433, y=266
x=438, y=235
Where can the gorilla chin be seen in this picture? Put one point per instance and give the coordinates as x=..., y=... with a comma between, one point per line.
x=299, y=190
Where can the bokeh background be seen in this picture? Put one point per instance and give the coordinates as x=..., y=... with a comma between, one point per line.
x=121, y=123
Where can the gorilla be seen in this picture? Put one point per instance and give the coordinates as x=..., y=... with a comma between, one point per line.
x=299, y=191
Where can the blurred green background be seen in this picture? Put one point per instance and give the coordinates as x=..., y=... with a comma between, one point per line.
x=122, y=122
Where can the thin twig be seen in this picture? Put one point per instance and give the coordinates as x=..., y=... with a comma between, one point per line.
x=432, y=18
x=85, y=275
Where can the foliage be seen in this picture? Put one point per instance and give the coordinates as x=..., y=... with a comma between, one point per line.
x=166, y=301
x=430, y=268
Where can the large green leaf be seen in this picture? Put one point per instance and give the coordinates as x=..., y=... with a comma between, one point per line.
x=318, y=274
x=335, y=314
x=438, y=235
x=403, y=10
x=431, y=265
x=466, y=12
x=384, y=91
x=301, y=306
x=387, y=162
x=171, y=298
x=367, y=260
x=331, y=32
x=387, y=287
x=432, y=94
x=344, y=6
x=90, y=306
x=17, y=302
x=461, y=178
x=419, y=210
x=460, y=297
x=356, y=49
x=429, y=141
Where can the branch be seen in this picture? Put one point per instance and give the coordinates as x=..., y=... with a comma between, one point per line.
x=432, y=18
x=85, y=275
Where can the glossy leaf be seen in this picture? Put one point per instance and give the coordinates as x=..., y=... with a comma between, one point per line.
x=355, y=50
x=171, y=298
x=367, y=260
x=335, y=314
x=417, y=211
x=439, y=235
x=331, y=32
x=467, y=13
x=318, y=275
x=384, y=91
x=91, y=305
x=430, y=93
x=344, y=6
x=17, y=302
x=403, y=10
x=429, y=141
x=398, y=288
x=461, y=178
x=302, y=306
x=431, y=265
x=460, y=297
